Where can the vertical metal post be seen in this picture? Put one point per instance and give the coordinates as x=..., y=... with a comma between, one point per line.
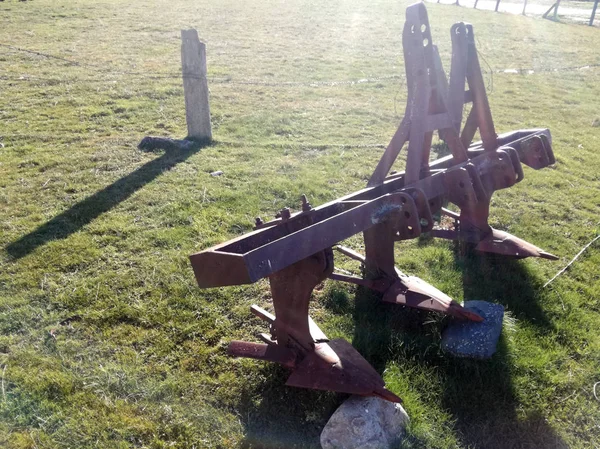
x=497, y=4
x=593, y=13
x=475, y=5
x=195, y=85
x=524, y=6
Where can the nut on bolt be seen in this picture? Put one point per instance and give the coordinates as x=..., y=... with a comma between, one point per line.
x=305, y=204
x=284, y=214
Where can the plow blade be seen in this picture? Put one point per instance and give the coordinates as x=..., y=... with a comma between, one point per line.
x=414, y=292
x=503, y=243
x=337, y=366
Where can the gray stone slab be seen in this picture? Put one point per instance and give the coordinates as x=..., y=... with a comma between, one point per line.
x=475, y=340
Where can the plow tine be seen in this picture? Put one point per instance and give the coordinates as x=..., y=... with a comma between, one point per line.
x=547, y=255
x=349, y=252
x=262, y=314
x=260, y=351
x=386, y=394
x=460, y=312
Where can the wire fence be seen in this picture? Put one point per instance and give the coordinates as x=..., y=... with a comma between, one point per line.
x=582, y=12
x=108, y=72
x=114, y=72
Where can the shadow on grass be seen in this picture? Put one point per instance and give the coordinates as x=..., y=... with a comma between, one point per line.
x=276, y=416
x=82, y=213
x=380, y=328
x=481, y=395
x=491, y=277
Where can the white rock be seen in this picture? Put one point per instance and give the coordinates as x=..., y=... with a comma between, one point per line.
x=366, y=423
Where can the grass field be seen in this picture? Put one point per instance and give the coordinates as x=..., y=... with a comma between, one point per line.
x=105, y=339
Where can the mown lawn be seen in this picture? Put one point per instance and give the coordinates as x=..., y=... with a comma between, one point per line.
x=105, y=339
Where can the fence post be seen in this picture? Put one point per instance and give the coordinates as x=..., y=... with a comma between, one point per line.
x=593, y=13
x=195, y=85
x=497, y=4
x=556, y=10
x=545, y=15
x=475, y=5
x=524, y=6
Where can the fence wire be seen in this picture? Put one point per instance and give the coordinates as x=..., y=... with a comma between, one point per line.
x=144, y=75
x=112, y=75
x=128, y=141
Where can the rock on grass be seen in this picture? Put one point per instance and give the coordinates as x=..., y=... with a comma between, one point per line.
x=475, y=340
x=365, y=423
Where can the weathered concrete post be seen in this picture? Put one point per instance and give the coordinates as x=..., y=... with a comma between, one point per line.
x=195, y=85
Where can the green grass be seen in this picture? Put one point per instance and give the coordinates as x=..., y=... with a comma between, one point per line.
x=105, y=339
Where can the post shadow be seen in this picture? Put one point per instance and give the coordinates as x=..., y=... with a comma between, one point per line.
x=82, y=213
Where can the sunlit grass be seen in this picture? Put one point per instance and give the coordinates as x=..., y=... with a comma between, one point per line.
x=105, y=339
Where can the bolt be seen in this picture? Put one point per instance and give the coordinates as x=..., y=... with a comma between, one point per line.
x=305, y=204
x=284, y=214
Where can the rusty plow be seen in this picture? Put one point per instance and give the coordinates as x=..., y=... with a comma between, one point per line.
x=295, y=250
